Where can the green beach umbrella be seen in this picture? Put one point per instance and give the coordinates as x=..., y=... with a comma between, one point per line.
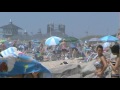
x=2, y=41
x=71, y=39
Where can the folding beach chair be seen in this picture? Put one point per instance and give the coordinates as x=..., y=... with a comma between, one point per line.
x=92, y=56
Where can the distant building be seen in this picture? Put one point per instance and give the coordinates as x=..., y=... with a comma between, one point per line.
x=52, y=28
x=16, y=32
x=10, y=30
x=62, y=28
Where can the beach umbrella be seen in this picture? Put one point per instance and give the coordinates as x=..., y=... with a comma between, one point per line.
x=53, y=41
x=109, y=38
x=106, y=44
x=18, y=63
x=93, y=40
x=2, y=41
x=71, y=39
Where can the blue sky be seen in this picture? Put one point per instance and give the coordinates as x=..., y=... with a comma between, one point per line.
x=77, y=23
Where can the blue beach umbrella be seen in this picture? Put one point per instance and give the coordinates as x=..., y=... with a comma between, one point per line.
x=109, y=38
x=21, y=64
x=53, y=41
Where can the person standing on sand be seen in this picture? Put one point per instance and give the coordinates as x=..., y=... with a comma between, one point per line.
x=115, y=65
x=74, y=53
x=3, y=46
x=29, y=46
x=41, y=46
x=15, y=44
x=101, y=63
x=63, y=48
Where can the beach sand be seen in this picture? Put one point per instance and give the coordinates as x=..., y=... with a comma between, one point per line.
x=56, y=64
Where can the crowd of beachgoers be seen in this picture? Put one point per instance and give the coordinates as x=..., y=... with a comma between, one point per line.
x=84, y=51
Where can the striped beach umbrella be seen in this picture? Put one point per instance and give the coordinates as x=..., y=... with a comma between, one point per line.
x=53, y=41
x=10, y=51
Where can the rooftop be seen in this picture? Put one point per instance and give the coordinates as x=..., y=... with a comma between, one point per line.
x=11, y=26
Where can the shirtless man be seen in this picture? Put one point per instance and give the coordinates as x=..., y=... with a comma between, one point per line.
x=63, y=48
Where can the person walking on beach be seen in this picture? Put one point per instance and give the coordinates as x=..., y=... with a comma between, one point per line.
x=101, y=63
x=116, y=64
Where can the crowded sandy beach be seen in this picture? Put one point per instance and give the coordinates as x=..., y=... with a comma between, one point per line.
x=62, y=58
x=73, y=49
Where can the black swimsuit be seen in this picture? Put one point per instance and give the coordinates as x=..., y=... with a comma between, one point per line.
x=115, y=75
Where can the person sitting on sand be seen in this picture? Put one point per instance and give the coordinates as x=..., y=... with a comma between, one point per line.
x=115, y=65
x=100, y=64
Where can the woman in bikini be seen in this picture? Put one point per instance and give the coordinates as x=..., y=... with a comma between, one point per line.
x=116, y=64
x=100, y=64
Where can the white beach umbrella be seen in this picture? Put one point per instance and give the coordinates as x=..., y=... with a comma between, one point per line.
x=53, y=41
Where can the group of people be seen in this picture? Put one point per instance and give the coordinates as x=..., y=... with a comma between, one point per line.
x=102, y=62
x=4, y=66
x=65, y=51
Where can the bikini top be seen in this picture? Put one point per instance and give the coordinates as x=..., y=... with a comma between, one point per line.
x=98, y=64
